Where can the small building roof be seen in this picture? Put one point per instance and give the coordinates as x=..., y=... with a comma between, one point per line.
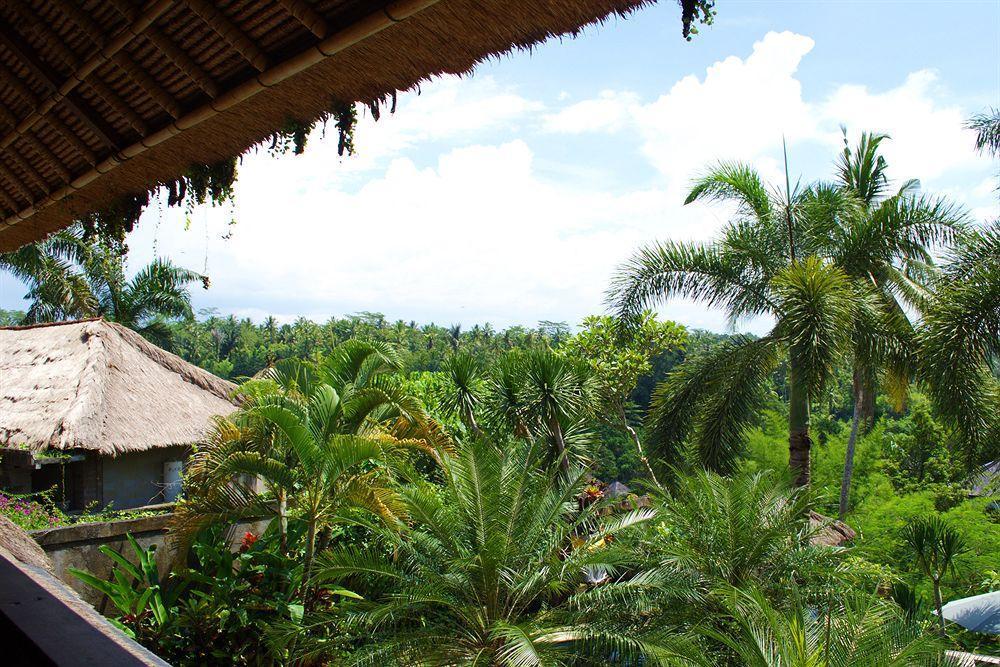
x=98, y=386
x=616, y=489
x=827, y=532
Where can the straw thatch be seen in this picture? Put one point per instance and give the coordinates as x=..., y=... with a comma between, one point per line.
x=15, y=541
x=95, y=385
x=101, y=99
x=827, y=532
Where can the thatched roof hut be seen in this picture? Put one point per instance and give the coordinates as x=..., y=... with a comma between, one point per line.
x=97, y=386
x=827, y=532
x=101, y=100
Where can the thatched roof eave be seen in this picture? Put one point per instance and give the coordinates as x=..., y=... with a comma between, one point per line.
x=107, y=100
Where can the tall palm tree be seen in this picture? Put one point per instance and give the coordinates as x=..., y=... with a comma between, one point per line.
x=935, y=545
x=70, y=277
x=959, y=339
x=883, y=239
x=752, y=269
x=862, y=632
x=499, y=568
x=556, y=392
x=463, y=371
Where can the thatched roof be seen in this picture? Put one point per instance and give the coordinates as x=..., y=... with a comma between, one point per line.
x=827, y=532
x=100, y=99
x=19, y=544
x=98, y=386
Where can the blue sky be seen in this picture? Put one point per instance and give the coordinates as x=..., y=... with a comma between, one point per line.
x=511, y=195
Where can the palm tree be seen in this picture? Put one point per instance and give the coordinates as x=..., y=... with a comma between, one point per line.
x=884, y=240
x=55, y=288
x=158, y=291
x=935, y=545
x=463, y=371
x=499, y=568
x=556, y=392
x=959, y=338
x=752, y=270
x=862, y=632
x=986, y=125
x=70, y=277
x=747, y=530
x=320, y=440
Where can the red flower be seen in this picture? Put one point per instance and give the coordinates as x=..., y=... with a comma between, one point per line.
x=248, y=541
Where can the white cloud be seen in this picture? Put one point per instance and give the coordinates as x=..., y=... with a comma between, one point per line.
x=928, y=134
x=609, y=112
x=740, y=109
x=440, y=216
x=477, y=237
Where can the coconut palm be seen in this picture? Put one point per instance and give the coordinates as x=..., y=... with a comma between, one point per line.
x=884, y=240
x=861, y=632
x=70, y=277
x=56, y=289
x=321, y=440
x=753, y=269
x=157, y=292
x=500, y=567
x=959, y=338
x=935, y=545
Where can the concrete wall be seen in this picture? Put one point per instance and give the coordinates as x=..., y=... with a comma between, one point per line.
x=78, y=546
x=136, y=479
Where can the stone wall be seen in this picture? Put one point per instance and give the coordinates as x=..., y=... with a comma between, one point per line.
x=79, y=546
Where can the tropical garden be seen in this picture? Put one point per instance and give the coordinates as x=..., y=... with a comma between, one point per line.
x=440, y=496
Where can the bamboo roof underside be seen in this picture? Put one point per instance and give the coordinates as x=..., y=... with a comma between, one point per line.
x=102, y=99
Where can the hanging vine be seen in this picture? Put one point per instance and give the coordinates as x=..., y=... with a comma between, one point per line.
x=215, y=183
x=694, y=12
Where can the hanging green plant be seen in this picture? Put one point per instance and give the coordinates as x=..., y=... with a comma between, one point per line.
x=203, y=183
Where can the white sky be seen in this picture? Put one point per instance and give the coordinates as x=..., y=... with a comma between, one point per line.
x=510, y=198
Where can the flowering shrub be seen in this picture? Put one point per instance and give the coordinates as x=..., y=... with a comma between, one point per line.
x=29, y=513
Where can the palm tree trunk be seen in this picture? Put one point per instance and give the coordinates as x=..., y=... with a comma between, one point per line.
x=283, y=521
x=938, y=604
x=845, y=482
x=638, y=444
x=470, y=422
x=799, y=442
x=307, y=564
x=555, y=430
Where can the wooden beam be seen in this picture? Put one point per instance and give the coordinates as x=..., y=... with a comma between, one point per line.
x=120, y=106
x=22, y=51
x=183, y=61
x=49, y=157
x=69, y=135
x=7, y=117
x=39, y=180
x=230, y=32
x=82, y=20
x=19, y=86
x=149, y=85
x=306, y=15
x=16, y=182
x=52, y=39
